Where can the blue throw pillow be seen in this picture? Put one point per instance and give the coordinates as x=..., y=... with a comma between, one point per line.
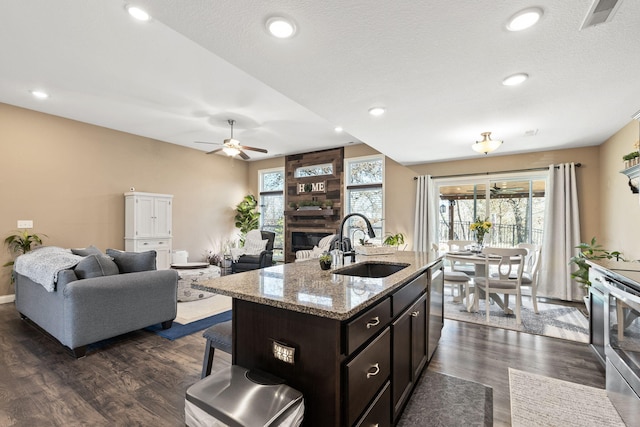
x=132, y=262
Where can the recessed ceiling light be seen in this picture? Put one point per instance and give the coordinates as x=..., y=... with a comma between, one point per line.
x=515, y=79
x=377, y=111
x=524, y=19
x=138, y=13
x=338, y=129
x=281, y=28
x=39, y=94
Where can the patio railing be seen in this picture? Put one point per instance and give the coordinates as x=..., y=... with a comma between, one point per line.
x=500, y=235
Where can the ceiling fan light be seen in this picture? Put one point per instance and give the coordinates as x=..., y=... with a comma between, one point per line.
x=487, y=145
x=231, y=151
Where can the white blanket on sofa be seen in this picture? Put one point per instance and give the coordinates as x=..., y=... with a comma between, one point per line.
x=43, y=264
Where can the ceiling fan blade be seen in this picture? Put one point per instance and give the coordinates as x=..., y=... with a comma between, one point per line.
x=261, y=150
x=244, y=155
x=206, y=142
x=215, y=151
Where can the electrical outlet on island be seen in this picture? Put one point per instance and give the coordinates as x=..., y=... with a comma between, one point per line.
x=25, y=223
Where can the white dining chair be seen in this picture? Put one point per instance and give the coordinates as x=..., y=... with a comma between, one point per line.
x=457, y=275
x=531, y=271
x=507, y=279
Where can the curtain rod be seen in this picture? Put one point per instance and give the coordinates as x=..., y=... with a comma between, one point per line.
x=495, y=172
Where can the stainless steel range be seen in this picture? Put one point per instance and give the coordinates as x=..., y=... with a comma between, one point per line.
x=622, y=341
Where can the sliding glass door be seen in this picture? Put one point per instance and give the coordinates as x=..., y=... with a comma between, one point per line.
x=513, y=203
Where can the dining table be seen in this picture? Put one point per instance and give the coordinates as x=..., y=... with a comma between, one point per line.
x=479, y=261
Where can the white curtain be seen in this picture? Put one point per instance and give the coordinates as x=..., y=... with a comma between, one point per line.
x=561, y=235
x=426, y=214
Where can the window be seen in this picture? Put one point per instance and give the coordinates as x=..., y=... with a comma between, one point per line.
x=513, y=203
x=364, y=194
x=315, y=170
x=272, y=207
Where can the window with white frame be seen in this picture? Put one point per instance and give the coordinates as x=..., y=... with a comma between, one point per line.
x=364, y=178
x=272, y=207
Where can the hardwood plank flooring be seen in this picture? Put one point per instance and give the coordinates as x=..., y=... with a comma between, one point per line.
x=140, y=379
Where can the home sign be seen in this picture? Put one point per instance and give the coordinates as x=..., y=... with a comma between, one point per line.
x=312, y=187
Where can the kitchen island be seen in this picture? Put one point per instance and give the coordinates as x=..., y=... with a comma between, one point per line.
x=353, y=345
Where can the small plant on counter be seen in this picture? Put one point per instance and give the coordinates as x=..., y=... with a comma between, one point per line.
x=591, y=250
x=325, y=261
x=394, y=240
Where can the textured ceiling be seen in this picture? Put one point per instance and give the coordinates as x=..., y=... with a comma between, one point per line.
x=436, y=66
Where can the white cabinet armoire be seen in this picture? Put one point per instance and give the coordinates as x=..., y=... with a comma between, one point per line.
x=147, y=225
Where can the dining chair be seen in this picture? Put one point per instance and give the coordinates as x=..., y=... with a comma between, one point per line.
x=456, y=274
x=531, y=270
x=507, y=279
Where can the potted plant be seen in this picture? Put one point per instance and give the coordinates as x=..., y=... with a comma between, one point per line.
x=247, y=217
x=325, y=261
x=394, y=240
x=21, y=243
x=590, y=251
x=631, y=159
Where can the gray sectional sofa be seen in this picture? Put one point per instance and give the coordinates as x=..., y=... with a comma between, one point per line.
x=93, y=300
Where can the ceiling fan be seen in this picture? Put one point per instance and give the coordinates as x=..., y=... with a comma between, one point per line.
x=495, y=190
x=231, y=147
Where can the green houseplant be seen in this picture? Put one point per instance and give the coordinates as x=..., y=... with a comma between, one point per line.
x=21, y=243
x=590, y=251
x=247, y=217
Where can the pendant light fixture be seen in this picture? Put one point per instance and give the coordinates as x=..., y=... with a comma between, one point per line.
x=487, y=145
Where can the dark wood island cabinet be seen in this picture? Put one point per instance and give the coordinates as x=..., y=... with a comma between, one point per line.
x=359, y=344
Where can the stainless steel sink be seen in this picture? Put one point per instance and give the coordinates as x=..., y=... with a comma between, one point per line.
x=370, y=269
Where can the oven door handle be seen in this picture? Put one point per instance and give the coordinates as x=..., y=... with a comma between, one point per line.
x=631, y=300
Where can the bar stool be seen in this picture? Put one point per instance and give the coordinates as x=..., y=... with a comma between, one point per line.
x=218, y=337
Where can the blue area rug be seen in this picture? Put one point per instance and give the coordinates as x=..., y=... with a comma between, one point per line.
x=178, y=330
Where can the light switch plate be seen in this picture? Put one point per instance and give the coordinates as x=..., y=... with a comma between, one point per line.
x=25, y=223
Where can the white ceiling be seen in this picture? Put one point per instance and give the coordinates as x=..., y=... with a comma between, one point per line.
x=436, y=66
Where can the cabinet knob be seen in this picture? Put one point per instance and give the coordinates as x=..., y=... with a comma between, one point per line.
x=374, y=372
x=145, y=243
x=415, y=313
x=373, y=322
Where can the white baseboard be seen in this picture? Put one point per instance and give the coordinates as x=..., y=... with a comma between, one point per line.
x=5, y=299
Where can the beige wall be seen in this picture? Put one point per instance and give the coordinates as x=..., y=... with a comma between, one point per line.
x=69, y=178
x=620, y=209
x=588, y=175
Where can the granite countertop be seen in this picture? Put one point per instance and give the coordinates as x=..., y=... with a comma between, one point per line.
x=304, y=287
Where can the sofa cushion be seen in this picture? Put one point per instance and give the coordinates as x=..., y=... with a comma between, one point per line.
x=132, y=262
x=96, y=266
x=255, y=247
x=89, y=250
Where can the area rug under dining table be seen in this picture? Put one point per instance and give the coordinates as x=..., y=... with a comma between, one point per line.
x=553, y=320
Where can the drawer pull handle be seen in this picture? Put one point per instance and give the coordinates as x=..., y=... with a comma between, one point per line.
x=373, y=322
x=415, y=313
x=376, y=371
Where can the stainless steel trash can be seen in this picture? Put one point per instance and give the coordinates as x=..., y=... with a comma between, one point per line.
x=238, y=397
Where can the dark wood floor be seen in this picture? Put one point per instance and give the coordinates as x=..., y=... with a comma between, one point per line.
x=141, y=378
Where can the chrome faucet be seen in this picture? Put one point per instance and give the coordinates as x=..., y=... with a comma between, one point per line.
x=370, y=232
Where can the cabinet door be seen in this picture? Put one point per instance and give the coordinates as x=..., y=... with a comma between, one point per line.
x=402, y=369
x=144, y=213
x=162, y=217
x=418, y=313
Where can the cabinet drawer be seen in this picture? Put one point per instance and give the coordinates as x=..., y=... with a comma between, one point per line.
x=367, y=325
x=401, y=299
x=379, y=412
x=366, y=374
x=149, y=244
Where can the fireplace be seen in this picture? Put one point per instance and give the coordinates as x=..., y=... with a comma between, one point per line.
x=301, y=240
